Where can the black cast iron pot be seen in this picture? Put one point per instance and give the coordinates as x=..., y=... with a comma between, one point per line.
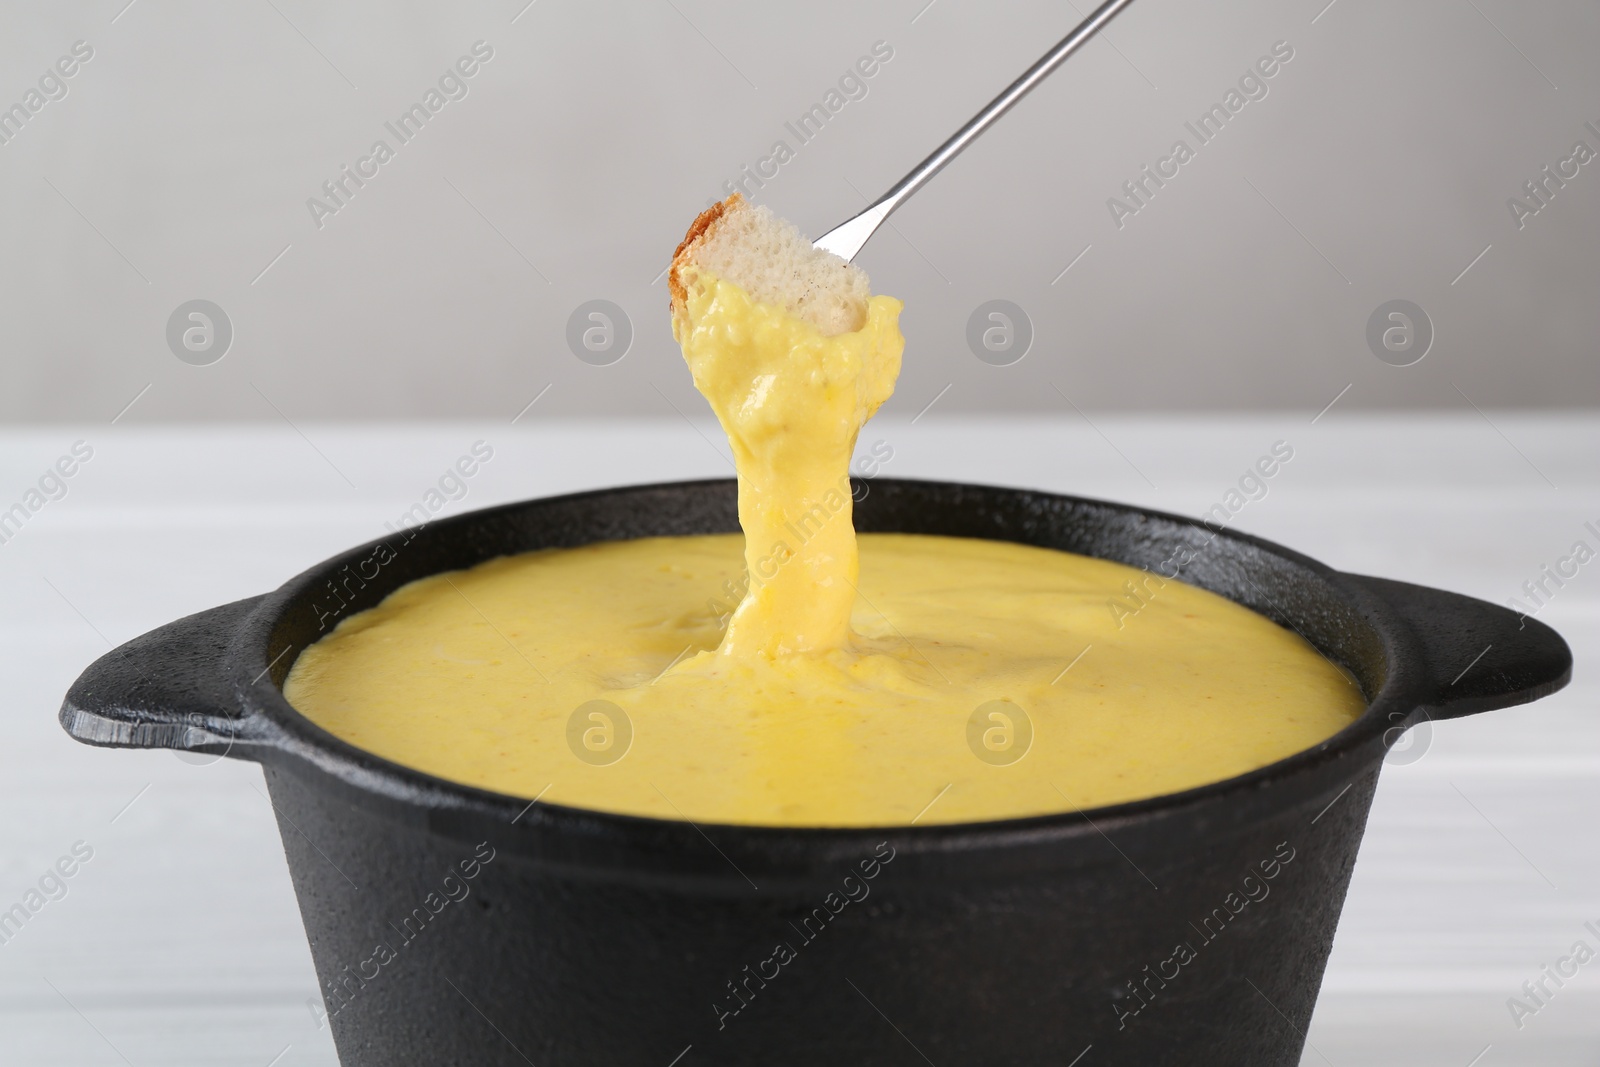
x=450, y=925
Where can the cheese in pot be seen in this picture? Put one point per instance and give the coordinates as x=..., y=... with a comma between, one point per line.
x=954, y=685
x=803, y=676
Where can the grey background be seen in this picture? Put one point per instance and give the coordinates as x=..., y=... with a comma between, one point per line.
x=1378, y=167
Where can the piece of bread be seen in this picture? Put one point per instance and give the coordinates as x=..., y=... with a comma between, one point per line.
x=771, y=261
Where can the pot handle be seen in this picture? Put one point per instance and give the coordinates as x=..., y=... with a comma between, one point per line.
x=170, y=688
x=1482, y=656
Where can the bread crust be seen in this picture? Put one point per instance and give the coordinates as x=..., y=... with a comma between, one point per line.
x=699, y=229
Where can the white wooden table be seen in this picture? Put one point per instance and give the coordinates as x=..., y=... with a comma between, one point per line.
x=179, y=942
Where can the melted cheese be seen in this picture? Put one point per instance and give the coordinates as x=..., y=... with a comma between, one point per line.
x=792, y=403
x=796, y=679
x=479, y=677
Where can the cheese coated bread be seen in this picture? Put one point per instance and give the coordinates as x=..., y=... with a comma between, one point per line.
x=771, y=261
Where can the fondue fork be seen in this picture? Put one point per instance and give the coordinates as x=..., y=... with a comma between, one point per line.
x=847, y=239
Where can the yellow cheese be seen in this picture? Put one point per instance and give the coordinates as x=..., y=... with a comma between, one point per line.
x=487, y=677
x=791, y=402
x=797, y=683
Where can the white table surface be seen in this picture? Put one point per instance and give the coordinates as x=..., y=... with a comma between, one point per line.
x=180, y=942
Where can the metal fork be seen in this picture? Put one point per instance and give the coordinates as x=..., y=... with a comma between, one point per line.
x=847, y=239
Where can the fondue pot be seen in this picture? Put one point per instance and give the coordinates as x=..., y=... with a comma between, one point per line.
x=454, y=925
